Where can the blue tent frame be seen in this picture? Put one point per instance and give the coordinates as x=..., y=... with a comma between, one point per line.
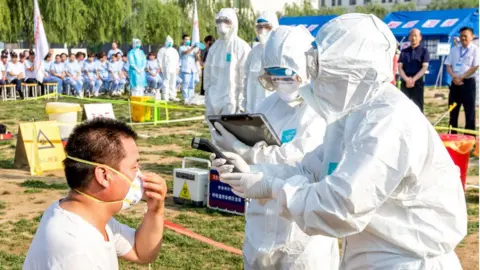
x=433, y=24
x=312, y=23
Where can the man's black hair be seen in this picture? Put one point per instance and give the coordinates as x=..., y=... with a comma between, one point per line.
x=209, y=38
x=466, y=28
x=99, y=141
x=185, y=35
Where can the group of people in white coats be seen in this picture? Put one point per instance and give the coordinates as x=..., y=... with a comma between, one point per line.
x=358, y=160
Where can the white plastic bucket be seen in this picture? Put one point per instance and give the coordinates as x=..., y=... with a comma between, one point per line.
x=66, y=114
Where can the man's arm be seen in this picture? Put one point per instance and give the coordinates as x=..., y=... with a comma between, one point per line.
x=469, y=72
x=402, y=73
x=425, y=60
x=473, y=69
x=241, y=78
x=421, y=72
x=148, y=237
x=187, y=51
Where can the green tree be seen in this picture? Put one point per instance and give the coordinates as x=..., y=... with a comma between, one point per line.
x=452, y=4
x=404, y=7
x=5, y=26
x=65, y=20
x=21, y=20
x=376, y=9
x=306, y=9
x=105, y=18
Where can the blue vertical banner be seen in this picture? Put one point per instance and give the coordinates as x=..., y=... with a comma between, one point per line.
x=221, y=197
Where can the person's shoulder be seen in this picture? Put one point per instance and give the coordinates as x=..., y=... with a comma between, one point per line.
x=241, y=42
x=407, y=49
x=474, y=47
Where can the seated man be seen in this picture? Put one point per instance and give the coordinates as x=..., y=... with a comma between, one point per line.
x=79, y=231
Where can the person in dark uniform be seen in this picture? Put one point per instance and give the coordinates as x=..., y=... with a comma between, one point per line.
x=209, y=40
x=412, y=65
x=462, y=63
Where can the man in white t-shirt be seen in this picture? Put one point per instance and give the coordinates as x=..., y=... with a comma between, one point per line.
x=79, y=231
x=16, y=73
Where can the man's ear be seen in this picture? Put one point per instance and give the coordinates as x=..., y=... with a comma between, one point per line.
x=102, y=177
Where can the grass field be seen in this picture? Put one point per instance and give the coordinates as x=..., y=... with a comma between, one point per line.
x=23, y=197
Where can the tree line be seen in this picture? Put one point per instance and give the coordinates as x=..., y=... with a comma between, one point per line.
x=95, y=22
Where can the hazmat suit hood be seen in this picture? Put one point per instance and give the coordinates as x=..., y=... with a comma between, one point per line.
x=232, y=16
x=168, y=40
x=136, y=42
x=270, y=18
x=355, y=57
x=286, y=48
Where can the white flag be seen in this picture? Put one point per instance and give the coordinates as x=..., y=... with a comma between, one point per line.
x=196, y=29
x=41, y=44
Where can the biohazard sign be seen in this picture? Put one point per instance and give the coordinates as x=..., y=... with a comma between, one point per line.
x=39, y=147
x=184, y=193
x=43, y=142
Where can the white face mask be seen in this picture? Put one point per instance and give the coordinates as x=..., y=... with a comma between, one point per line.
x=134, y=194
x=288, y=91
x=263, y=36
x=223, y=29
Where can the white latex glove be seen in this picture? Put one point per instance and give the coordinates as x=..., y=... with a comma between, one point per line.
x=236, y=160
x=248, y=185
x=228, y=141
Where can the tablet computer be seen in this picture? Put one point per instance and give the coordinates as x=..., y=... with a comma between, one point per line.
x=248, y=128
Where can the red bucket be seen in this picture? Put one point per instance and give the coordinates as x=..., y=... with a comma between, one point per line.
x=459, y=147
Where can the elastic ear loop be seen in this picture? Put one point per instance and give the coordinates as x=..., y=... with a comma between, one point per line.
x=106, y=166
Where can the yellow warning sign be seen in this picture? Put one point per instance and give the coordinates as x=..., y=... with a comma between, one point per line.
x=39, y=146
x=184, y=193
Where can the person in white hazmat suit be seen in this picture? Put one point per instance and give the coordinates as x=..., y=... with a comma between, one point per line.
x=272, y=242
x=383, y=179
x=254, y=92
x=169, y=64
x=225, y=67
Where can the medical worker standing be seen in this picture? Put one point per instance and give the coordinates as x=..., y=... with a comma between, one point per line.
x=272, y=242
x=254, y=92
x=169, y=62
x=137, y=62
x=383, y=179
x=188, y=67
x=225, y=67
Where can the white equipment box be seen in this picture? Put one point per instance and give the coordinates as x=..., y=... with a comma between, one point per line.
x=190, y=185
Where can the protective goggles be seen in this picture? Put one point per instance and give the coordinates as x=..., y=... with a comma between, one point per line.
x=263, y=25
x=223, y=20
x=270, y=77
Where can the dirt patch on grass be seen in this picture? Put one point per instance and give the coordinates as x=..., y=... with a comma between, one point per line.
x=468, y=253
x=21, y=202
